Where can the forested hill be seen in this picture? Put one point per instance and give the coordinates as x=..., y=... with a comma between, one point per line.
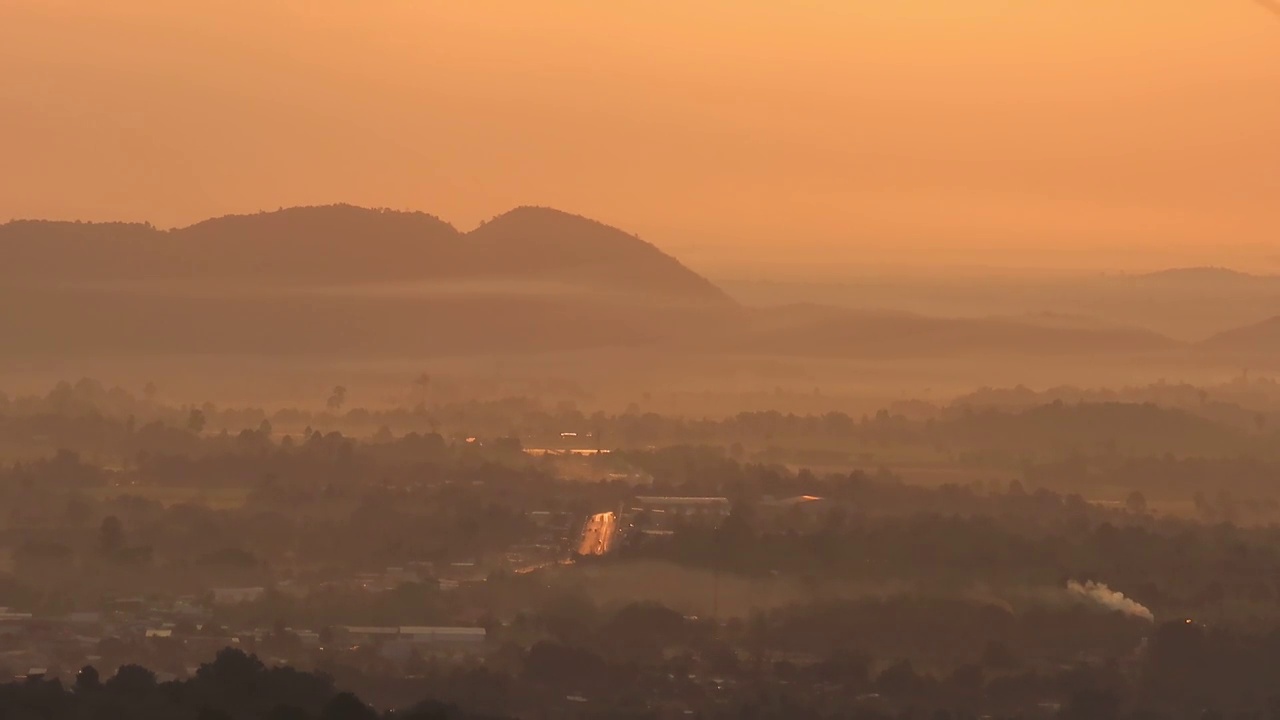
x=345, y=245
x=1262, y=338
x=391, y=283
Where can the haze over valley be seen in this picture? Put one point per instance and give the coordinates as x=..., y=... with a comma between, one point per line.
x=333, y=285
x=580, y=360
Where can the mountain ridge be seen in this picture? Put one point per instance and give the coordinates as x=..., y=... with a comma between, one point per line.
x=342, y=244
x=1204, y=272
x=1260, y=338
x=346, y=279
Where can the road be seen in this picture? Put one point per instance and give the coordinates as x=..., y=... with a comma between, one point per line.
x=598, y=534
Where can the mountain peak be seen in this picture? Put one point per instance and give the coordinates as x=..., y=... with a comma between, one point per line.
x=549, y=225
x=1261, y=338
x=554, y=244
x=524, y=212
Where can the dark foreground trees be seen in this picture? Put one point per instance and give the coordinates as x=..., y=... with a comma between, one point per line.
x=234, y=686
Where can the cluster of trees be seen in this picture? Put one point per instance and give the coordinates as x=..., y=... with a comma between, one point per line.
x=71, y=548
x=902, y=597
x=989, y=427
x=233, y=686
x=833, y=659
x=875, y=528
x=330, y=506
x=871, y=658
x=1234, y=489
x=1239, y=401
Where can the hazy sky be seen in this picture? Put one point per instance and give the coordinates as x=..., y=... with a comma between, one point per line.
x=1090, y=133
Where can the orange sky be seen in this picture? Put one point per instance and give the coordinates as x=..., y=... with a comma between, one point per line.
x=735, y=133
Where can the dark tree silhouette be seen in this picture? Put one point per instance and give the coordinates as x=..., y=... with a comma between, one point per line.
x=111, y=535
x=345, y=706
x=337, y=398
x=87, y=679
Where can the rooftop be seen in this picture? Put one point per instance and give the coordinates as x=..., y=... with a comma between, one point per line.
x=652, y=500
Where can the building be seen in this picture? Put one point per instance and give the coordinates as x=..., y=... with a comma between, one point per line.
x=361, y=634
x=418, y=635
x=718, y=507
x=471, y=636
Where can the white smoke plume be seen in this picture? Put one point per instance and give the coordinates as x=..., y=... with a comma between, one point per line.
x=1108, y=598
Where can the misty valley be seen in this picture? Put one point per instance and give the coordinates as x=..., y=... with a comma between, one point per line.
x=336, y=462
x=823, y=360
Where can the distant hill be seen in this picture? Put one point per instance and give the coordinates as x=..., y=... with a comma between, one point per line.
x=1187, y=304
x=1204, y=272
x=1214, y=279
x=1259, y=339
x=331, y=245
x=834, y=332
x=555, y=246
x=343, y=280
x=67, y=322
x=1066, y=321
x=344, y=245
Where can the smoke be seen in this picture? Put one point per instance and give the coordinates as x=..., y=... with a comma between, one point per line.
x=984, y=595
x=1108, y=598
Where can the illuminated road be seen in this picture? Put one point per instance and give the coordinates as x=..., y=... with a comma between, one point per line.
x=598, y=534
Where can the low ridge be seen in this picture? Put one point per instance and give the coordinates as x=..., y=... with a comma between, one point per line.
x=345, y=244
x=555, y=245
x=1261, y=338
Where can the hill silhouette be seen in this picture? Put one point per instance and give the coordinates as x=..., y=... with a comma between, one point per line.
x=1212, y=279
x=1258, y=339
x=1188, y=304
x=343, y=244
x=344, y=280
x=552, y=245
x=836, y=332
x=1201, y=272
x=333, y=245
